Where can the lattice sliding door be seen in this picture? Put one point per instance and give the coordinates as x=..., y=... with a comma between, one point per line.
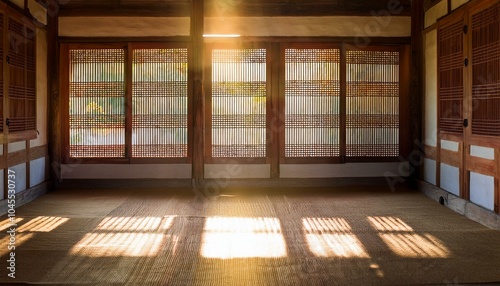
x=159, y=103
x=450, y=69
x=238, y=100
x=2, y=81
x=22, y=77
x=486, y=71
x=97, y=103
x=372, y=104
x=312, y=98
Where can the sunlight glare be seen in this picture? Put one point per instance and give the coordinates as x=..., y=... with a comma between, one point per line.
x=237, y=237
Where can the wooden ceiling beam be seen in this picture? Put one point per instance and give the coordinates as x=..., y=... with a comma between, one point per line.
x=235, y=8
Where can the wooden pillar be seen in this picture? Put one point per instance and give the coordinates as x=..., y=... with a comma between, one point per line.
x=273, y=133
x=416, y=78
x=197, y=18
x=54, y=100
x=497, y=181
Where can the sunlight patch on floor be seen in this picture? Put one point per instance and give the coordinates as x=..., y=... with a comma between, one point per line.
x=118, y=245
x=403, y=241
x=238, y=237
x=332, y=237
x=135, y=223
x=42, y=224
x=7, y=223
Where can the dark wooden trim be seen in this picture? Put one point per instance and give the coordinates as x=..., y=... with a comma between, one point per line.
x=371, y=159
x=481, y=166
x=272, y=112
x=431, y=152
x=312, y=160
x=280, y=120
x=343, y=104
x=16, y=158
x=497, y=181
x=463, y=151
x=124, y=39
x=236, y=161
x=196, y=32
x=353, y=41
x=63, y=112
x=53, y=94
x=231, y=9
x=207, y=85
x=168, y=10
x=451, y=158
x=409, y=118
x=5, y=172
x=129, y=57
x=28, y=164
x=415, y=103
x=428, y=4
x=450, y=136
x=38, y=152
x=126, y=161
x=159, y=160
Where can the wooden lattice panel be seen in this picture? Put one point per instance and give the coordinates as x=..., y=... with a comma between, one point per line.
x=16, y=59
x=30, y=80
x=372, y=104
x=450, y=68
x=97, y=103
x=1, y=71
x=238, y=103
x=486, y=71
x=160, y=103
x=312, y=90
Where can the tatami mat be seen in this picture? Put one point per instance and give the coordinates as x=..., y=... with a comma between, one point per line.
x=310, y=236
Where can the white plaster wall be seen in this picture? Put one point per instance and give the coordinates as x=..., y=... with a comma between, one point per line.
x=457, y=3
x=437, y=11
x=37, y=172
x=41, y=89
x=343, y=170
x=430, y=171
x=482, y=190
x=237, y=171
x=430, y=105
x=20, y=180
x=450, y=179
x=449, y=145
x=16, y=146
x=123, y=26
x=482, y=152
x=126, y=171
x=395, y=26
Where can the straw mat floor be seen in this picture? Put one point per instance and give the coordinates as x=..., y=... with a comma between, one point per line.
x=348, y=236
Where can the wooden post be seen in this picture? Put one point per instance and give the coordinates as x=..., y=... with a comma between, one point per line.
x=54, y=100
x=343, y=104
x=416, y=98
x=273, y=133
x=497, y=181
x=197, y=23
